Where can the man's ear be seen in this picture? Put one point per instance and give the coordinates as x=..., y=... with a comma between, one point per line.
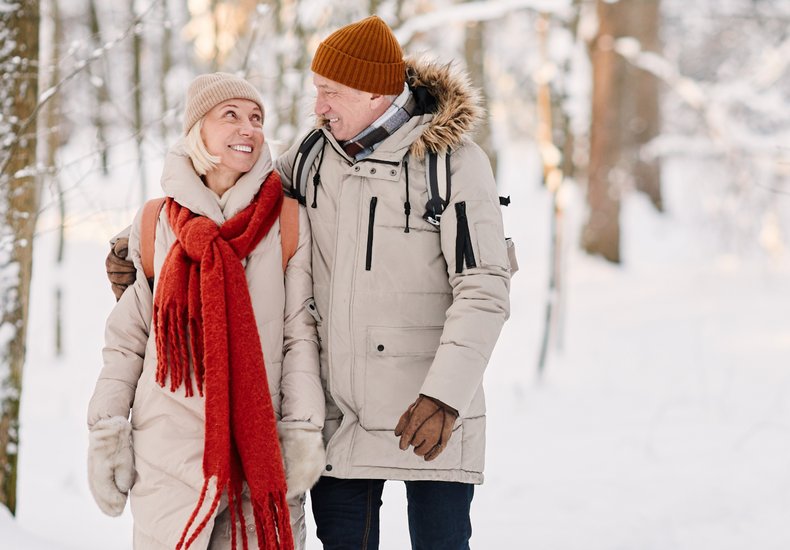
x=378, y=102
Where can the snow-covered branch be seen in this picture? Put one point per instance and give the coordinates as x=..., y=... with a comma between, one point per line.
x=483, y=10
x=46, y=95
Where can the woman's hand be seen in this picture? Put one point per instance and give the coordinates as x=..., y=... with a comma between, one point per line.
x=111, y=463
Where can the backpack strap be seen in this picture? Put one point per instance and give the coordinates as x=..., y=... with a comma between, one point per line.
x=151, y=210
x=437, y=180
x=308, y=151
x=289, y=228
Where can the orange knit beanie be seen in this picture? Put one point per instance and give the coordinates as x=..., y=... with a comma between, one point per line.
x=364, y=55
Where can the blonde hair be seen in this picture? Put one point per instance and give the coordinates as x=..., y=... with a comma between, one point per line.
x=202, y=160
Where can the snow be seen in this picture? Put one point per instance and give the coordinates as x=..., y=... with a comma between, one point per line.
x=664, y=422
x=7, y=7
x=475, y=11
x=15, y=537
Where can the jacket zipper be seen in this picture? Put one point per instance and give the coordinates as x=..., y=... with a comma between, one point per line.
x=463, y=241
x=379, y=161
x=371, y=219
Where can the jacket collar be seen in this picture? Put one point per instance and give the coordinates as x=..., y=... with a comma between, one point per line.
x=180, y=181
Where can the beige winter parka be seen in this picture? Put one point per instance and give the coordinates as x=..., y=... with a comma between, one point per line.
x=167, y=427
x=396, y=317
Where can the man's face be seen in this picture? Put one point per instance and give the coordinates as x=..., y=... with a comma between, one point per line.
x=349, y=111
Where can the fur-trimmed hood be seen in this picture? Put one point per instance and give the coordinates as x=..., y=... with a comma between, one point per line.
x=457, y=111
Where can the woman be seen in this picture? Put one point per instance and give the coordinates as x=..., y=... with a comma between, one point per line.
x=219, y=356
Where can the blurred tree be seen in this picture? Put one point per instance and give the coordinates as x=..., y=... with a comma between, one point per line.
x=643, y=123
x=99, y=73
x=19, y=43
x=137, y=99
x=475, y=53
x=625, y=116
x=52, y=135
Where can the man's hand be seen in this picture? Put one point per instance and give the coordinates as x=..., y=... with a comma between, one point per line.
x=427, y=424
x=120, y=271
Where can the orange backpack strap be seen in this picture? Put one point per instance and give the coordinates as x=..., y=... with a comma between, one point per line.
x=289, y=228
x=151, y=211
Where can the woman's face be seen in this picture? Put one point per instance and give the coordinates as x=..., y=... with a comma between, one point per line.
x=233, y=131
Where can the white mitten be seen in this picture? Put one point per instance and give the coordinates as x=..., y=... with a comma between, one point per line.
x=304, y=455
x=111, y=463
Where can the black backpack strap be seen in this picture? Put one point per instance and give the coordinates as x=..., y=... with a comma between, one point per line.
x=308, y=151
x=437, y=180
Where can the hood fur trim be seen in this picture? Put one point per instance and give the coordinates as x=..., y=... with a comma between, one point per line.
x=458, y=105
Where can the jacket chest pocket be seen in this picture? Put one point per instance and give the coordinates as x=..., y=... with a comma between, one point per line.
x=371, y=225
x=396, y=364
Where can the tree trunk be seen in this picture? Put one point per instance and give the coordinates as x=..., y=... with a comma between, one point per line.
x=50, y=117
x=137, y=100
x=167, y=65
x=474, y=51
x=625, y=117
x=601, y=234
x=19, y=31
x=644, y=122
x=102, y=95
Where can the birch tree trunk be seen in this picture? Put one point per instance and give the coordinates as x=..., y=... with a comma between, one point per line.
x=19, y=31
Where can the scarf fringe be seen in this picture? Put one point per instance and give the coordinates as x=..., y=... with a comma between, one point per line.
x=181, y=545
x=270, y=512
x=180, y=350
x=272, y=522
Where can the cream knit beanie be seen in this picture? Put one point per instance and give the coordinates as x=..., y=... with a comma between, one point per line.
x=208, y=90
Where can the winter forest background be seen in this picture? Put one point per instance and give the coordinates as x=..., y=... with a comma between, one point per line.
x=638, y=398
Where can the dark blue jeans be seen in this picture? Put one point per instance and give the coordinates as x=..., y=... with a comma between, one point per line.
x=346, y=513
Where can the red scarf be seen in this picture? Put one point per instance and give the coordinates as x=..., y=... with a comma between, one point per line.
x=205, y=326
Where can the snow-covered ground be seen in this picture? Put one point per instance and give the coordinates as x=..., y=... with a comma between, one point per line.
x=663, y=424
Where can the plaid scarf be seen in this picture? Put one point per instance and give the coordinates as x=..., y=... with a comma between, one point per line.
x=401, y=110
x=205, y=329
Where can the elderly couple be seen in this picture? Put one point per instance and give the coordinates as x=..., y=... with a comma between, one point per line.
x=253, y=375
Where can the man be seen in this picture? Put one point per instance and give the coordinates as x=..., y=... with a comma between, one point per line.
x=408, y=310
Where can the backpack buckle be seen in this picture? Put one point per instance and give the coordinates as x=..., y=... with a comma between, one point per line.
x=433, y=220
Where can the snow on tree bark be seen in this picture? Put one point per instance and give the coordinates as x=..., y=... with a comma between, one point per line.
x=19, y=33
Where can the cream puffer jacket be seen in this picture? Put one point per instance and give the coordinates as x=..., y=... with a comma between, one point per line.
x=167, y=427
x=398, y=315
